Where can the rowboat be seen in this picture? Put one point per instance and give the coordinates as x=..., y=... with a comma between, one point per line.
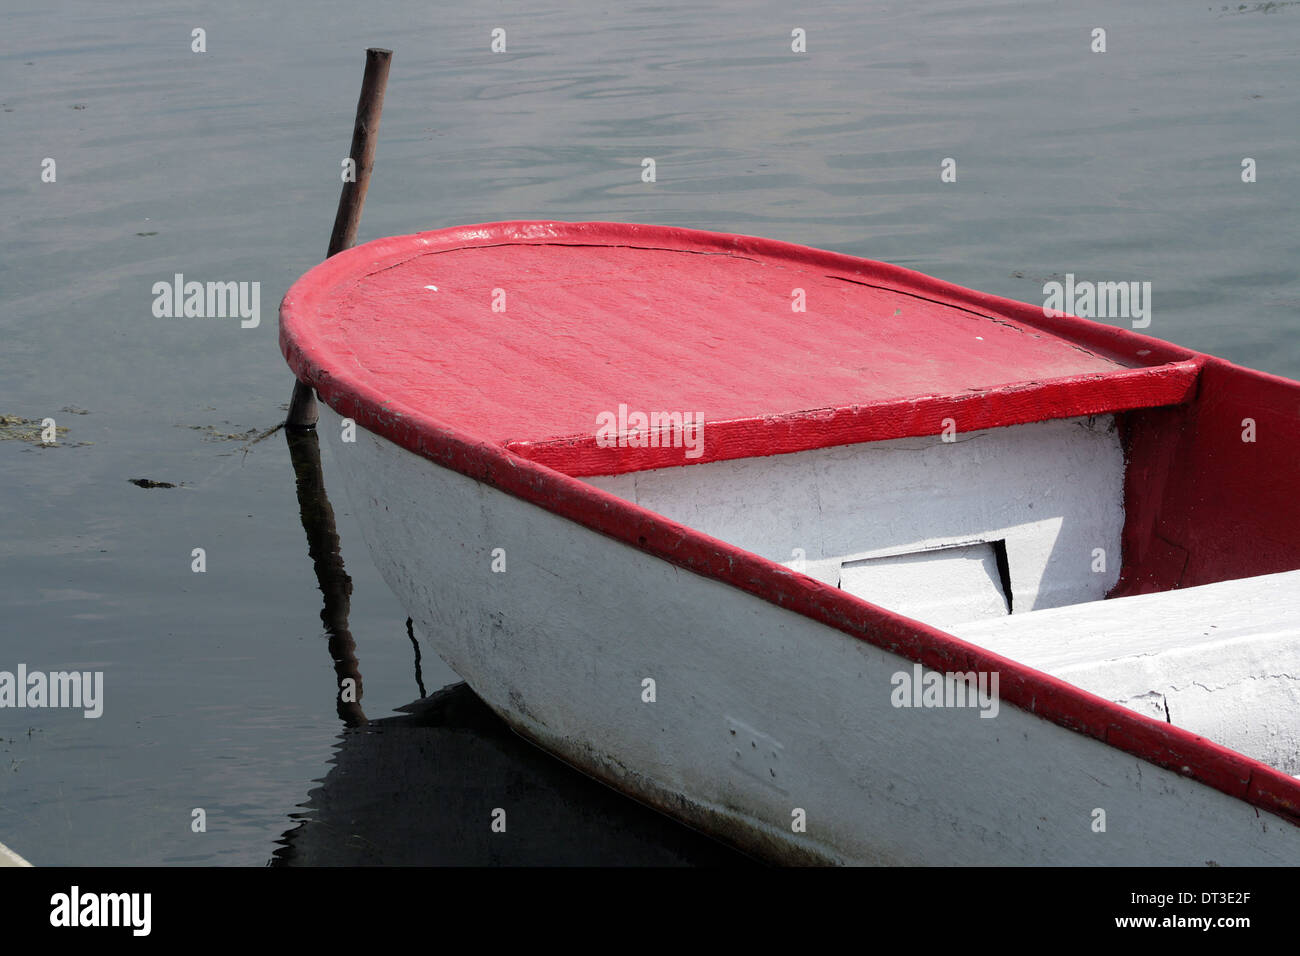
x=835, y=561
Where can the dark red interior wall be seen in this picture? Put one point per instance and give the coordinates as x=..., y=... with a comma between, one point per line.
x=1202, y=504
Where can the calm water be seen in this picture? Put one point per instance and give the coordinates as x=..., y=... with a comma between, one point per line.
x=220, y=689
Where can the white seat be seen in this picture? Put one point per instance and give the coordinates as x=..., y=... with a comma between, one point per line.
x=1221, y=660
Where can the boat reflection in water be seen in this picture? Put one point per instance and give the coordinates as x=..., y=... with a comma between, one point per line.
x=425, y=788
x=421, y=790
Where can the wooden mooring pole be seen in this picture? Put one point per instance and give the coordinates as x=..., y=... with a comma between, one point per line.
x=365, y=136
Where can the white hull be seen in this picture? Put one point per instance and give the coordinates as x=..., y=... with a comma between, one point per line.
x=760, y=712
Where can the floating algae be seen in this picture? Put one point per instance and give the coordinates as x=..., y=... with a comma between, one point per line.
x=30, y=430
x=212, y=433
x=250, y=437
x=35, y=431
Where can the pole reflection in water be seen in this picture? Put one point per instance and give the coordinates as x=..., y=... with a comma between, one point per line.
x=326, y=556
x=426, y=787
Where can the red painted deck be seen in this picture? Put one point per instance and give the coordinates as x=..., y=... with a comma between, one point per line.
x=598, y=316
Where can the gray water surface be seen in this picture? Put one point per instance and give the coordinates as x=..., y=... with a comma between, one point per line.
x=224, y=165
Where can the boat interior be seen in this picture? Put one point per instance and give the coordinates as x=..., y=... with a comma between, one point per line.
x=1116, y=552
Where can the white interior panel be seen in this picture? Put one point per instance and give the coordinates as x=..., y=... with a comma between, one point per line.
x=1053, y=491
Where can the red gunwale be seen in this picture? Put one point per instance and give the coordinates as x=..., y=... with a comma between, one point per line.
x=347, y=389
